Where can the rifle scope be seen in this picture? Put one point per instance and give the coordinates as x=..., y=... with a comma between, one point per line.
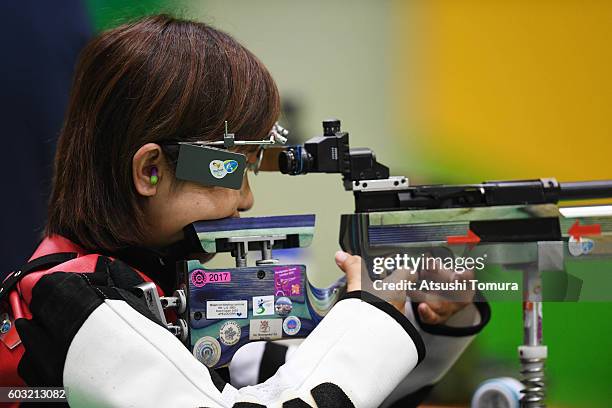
x=330, y=153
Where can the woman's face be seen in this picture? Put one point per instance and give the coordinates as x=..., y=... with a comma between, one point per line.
x=174, y=205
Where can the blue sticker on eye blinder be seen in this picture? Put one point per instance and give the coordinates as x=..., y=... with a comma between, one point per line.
x=210, y=166
x=230, y=165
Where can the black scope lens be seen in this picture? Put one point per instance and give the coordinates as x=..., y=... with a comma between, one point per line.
x=294, y=160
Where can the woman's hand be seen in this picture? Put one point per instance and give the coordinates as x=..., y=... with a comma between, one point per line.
x=438, y=312
x=438, y=307
x=351, y=265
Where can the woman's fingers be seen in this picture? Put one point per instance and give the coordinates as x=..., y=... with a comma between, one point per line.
x=351, y=266
x=427, y=314
x=438, y=312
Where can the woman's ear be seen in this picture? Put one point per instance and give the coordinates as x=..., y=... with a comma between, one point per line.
x=147, y=169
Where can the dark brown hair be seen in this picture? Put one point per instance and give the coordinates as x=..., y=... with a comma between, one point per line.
x=154, y=80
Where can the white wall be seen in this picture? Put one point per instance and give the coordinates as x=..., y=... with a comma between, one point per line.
x=333, y=56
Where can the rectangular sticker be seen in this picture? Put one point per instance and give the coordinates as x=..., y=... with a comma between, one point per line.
x=287, y=281
x=263, y=305
x=265, y=329
x=227, y=309
x=199, y=277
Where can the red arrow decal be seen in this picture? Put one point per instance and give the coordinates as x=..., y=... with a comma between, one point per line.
x=470, y=238
x=577, y=230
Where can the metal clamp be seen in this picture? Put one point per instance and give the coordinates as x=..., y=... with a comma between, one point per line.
x=242, y=249
x=157, y=305
x=391, y=183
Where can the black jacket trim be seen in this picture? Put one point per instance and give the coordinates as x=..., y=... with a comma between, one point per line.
x=414, y=399
x=220, y=377
x=272, y=359
x=329, y=395
x=443, y=330
x=43, y=262
x=296, y=403
x=395, y=314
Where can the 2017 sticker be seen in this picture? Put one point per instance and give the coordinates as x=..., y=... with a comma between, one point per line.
x=263, y=305
x=199, y=277
x=226, y=309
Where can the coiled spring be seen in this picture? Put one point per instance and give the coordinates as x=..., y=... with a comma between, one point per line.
x=533, y=379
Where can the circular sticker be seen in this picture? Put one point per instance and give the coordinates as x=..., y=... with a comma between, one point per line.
x=580, y=246
x=283, y=306
x=207, y=350
x=230, y=166
x=5, y=323
x=198, y=278
x=229, y=333
x=292, y=325
x=217, y=169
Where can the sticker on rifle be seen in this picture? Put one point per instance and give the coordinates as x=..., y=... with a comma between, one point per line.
x=220, y=169
x=283, y=306
x=207, y=350
x=226, y=309
x=263, y=305
x=229, y=333
x=292, y=325
x=199, y=277
x=580, y=246
x=287, y=281
x=265, y=329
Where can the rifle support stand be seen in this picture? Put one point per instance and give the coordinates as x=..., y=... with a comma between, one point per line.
x=532, y=352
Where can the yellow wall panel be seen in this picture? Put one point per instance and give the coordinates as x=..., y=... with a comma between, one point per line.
x=506, y=88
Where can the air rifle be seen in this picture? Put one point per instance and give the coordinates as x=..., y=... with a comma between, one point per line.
x=515, y=224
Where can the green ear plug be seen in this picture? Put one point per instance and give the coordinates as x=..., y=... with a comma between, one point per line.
x=154, y=178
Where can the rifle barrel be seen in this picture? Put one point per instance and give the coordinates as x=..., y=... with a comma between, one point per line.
x=585, y=190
